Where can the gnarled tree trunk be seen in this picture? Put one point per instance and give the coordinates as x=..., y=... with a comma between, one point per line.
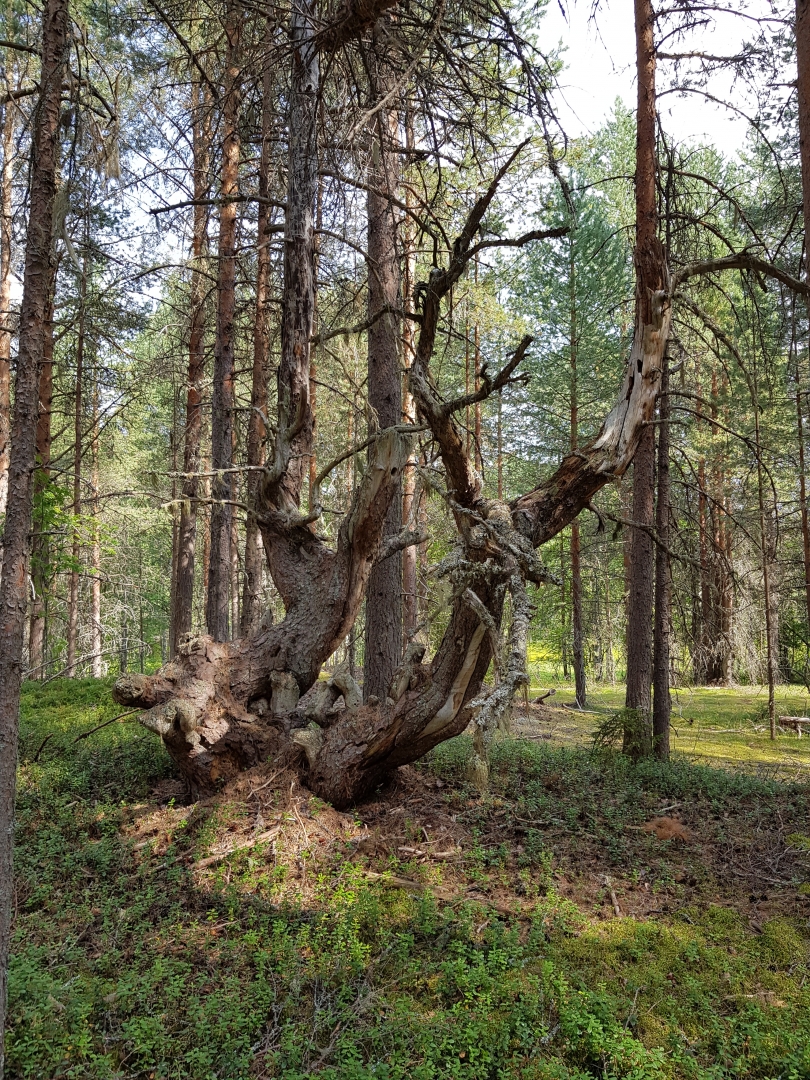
x=222, y=707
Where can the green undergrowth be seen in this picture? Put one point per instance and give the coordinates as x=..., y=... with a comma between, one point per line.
x=126, y=967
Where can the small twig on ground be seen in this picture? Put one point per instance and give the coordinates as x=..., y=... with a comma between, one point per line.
x=42, y=746
x=262, y=838
x=613, y=898
x=92, y=731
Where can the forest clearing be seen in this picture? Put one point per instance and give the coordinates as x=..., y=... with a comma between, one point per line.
x=404, y=539
x=533, y=931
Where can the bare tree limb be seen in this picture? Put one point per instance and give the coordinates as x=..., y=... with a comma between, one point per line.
x=742, y=261
x=491, y=386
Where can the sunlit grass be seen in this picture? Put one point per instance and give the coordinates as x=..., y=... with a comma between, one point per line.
x=717, y=725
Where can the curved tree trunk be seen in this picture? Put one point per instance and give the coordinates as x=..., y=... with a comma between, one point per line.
x=222, y=707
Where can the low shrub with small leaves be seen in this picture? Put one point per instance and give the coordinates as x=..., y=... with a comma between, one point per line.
x=128, y=967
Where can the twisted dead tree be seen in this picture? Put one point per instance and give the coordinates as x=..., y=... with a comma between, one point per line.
x=222, y=707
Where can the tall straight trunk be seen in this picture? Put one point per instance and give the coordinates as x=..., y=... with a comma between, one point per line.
x=410, y=595
x=662, y=702
x=39, y=543
x=96, y=661
x=479, y=456
x=803, y=500
x=313, y=365
x=383, y=632
x=78, y=430
x=252, y=606
x=564, y=610
x=610, y=672
x=222, y=399
x=187, y=531
x=500, y=447
x=22, y=462
x=173, y=440
x=651, y=279
x=6, y=223
x=234, y=567
x=577, y=651
x=765, y=550
x=802, y=29
x=640, y=601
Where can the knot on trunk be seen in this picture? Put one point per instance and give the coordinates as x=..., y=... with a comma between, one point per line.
x=175, y=717
x=407, y=675
x=310, y=740
x=141, y=691
x=285, y=694
x=318, y=706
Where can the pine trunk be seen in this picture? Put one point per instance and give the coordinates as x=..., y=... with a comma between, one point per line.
x=97, y=666
x=187, y=531
x=252, y=603
x=577, y=650
x=22, y=462
x=6, y=225
x=662, y=702
x=78, y=433
x=802, y=30
x=383, y=632
x=651, y=279
x=222, y=401
x=39, y=543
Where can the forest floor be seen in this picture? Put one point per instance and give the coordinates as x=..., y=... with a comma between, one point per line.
x=585, y=918
x=710, y=725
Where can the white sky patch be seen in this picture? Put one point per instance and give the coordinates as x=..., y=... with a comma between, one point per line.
x=600, y=66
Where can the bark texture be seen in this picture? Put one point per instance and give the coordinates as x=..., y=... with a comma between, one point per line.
x=222, y=401
x=252, y=606
x=78, y=432
x=6, y=224
x=802, y=29
x=187, y=529
x=662, y=701
x=39, y=541
x=651, y=276
x=22, y=462
x=383, y=631
x=576, y=568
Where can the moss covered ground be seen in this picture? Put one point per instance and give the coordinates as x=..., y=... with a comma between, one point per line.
x=546, y=929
